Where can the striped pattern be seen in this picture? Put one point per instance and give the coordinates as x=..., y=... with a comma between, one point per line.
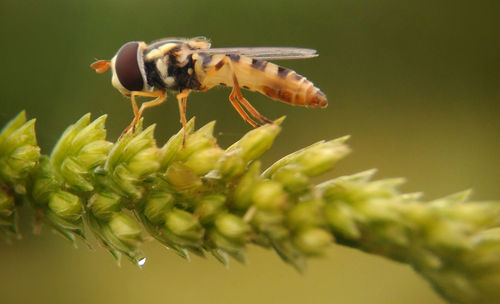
x=160, y=51
x=277, y=82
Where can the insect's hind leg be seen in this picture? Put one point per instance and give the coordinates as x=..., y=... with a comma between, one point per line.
x=239, y=109
x=246, y=103
x=236, y=98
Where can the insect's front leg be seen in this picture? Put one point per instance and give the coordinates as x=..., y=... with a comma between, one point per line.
x=161, y=96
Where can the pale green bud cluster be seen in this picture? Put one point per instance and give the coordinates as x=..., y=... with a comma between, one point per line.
x=60, y=181
x=455, y=244
x=195, y=197
x=121, y=181
x=81, y=148
x=131, y=159
x=19, y=154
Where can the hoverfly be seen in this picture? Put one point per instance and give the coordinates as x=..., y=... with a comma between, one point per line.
x=186, y=65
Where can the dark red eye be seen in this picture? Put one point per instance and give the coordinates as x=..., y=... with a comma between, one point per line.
x=127, y=68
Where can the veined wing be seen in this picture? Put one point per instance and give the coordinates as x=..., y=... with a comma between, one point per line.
x=266, y=53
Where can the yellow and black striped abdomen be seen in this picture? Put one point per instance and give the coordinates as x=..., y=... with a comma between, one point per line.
x=277, y=82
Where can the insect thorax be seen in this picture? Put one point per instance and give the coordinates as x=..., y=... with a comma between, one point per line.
x=169, y=65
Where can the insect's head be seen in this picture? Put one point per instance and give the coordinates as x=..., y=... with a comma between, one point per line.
x=127, y=66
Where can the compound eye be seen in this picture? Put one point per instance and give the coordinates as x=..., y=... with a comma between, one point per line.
x=127, y=67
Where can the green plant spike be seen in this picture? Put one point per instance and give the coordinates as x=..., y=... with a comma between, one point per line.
x=198, y=198
x=19, y=154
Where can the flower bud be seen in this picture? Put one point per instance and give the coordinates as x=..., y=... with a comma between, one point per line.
x=24, y=158
x=94, y=154
x=64, y=147
x=313, y=160
x=198, y=141
x=254, y=143
x=231, y=226
x=342, y=220
x=182, y=177
x=126, y=181
x=269, y=195
x=81, y=148
x=169, y=151
x=88, y=133
x=313, y=241
x=6, y=204
x=183, y=224
x=144, y=163
x=103, y=205
x=231, y=164
x=17, y=133
x=321, y=157
x=125, y=228
x=204, y=161
x=292, y=179
x=131, y=160
x=74, y=175
x=157, y=205
x=232, y=246
x=18, y=151
x=44, y=182
x=9, y=128
x=129, y=147
x=307, y=213
x=209, y=206
x=270, y=223
x=8, y=218
x=244, y=190
x=66, y=205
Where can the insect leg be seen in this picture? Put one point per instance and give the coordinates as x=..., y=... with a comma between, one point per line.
x=232, y=96
x=182, y=101
x=160, y=95
x=239, y=109
x=134, y=106
x=247, y=104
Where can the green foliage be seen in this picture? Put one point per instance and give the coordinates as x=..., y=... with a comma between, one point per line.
x=198, y=198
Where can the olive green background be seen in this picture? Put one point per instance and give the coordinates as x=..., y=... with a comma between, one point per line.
x=416, y=83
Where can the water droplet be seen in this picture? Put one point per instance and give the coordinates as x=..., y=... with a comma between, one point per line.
x=141, y=262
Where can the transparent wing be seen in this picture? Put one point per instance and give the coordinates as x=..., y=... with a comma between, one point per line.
x=266, y=53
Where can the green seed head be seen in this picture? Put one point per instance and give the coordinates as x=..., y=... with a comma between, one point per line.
x=313, y=241
x=231, y=164
x=292, y=179
x=306, y=214
x=6, y=204
x=209, y=206
x=44, y=182
x=198, y=141
x=66, y=205
x=157, y=206
x=231, y=226
x=182, y=178
x=256, y=142
x=105, y=204
x=269, y=195
x=124, y=227
x=203, y=161
x=19, y=152
x=183, y=224
x=170, y=150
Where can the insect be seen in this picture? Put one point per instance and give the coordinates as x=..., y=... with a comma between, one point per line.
x=185, y=65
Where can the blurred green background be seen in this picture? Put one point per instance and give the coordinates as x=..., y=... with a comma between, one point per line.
x=416, y=83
